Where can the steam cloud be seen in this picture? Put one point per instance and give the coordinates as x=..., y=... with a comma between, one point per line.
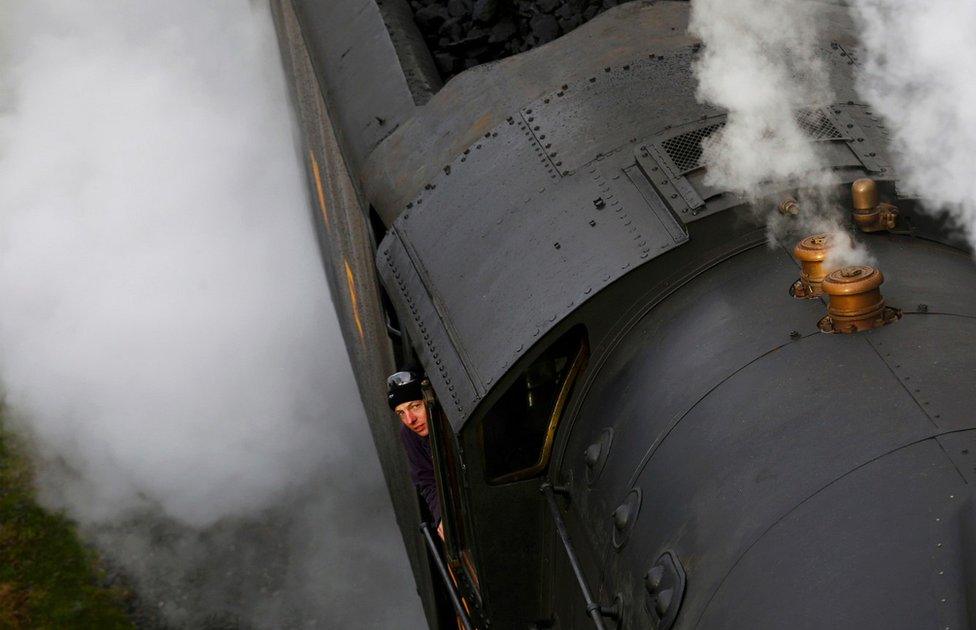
x=167, y=339
x=761, y=73
x=917, y=73
x=760, y=62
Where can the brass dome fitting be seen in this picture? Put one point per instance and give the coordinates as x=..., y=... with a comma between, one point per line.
x=869, y=214
x=864, y=194
x=855, y=301
x=811, y=253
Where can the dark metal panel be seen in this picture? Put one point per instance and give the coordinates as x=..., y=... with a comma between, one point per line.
x=932, y=356
x=960, y=446
x=919, y=272
x=762, y=442
x=358, y=69
x=481, y=98
x=426, y=326
x=513, y=267
x=613, y=106
x=882, y=548
x=675, y=354
x=507, y=154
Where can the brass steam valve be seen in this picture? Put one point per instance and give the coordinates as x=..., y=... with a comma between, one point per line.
x=855, y=301
x=811, y=253
x=869, y=214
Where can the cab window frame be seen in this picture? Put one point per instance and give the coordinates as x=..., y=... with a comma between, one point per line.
x=577, y=361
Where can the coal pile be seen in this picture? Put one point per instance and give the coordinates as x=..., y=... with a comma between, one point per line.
x=465, y=33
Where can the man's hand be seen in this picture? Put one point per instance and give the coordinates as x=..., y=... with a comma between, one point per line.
x=440, y=530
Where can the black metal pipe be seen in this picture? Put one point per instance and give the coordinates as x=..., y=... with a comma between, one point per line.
x=442, y=569
x=592, y=608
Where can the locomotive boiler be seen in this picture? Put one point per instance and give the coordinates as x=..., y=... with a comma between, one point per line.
x=644, y=415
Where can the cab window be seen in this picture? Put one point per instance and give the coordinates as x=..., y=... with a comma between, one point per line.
x=519, y=430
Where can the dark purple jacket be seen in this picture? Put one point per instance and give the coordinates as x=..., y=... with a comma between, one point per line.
x=422, y=469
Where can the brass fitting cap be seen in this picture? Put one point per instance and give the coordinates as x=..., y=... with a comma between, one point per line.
x=855, y=300
x=811, y=253
x=864, y=195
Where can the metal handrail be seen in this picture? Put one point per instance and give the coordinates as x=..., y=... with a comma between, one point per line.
x=593, y=609
x=442, y=569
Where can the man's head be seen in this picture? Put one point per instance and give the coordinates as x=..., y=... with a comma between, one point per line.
x=406, y=398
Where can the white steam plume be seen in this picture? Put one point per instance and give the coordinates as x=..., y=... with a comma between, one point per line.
x=166, y=335
x=760, y=62
x=918, y=59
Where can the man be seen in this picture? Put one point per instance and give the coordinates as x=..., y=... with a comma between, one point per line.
x=406, y=399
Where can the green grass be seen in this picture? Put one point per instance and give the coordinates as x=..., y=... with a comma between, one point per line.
x=48, y=578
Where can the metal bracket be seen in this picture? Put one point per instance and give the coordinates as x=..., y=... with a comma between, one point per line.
x=855, y=139
x=665, y=585
x=663, y=175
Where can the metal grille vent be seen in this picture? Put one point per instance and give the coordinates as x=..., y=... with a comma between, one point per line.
x=815, y=124
x=685, y=150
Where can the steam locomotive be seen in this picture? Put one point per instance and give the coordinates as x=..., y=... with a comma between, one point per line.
x=636, y=421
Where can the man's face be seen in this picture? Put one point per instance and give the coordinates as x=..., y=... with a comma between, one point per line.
x=413, y=414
